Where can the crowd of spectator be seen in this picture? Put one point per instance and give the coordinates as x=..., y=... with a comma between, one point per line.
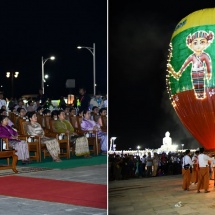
x=127, y=166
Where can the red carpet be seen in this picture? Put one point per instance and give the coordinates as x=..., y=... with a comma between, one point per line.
x=76, y=193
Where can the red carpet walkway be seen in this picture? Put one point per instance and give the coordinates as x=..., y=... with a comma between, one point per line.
x=76, y=193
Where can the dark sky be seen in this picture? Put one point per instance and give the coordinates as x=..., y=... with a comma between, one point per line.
x=36, y=28
x=139, y=109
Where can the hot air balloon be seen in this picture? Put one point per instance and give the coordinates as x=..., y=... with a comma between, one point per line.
x=191, y=74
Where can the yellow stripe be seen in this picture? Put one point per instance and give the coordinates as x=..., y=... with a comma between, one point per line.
x=197, y=18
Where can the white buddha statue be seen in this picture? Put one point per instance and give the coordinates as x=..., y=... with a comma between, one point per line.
x=167, y=140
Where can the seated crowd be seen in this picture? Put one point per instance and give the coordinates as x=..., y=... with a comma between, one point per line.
x=33, y=111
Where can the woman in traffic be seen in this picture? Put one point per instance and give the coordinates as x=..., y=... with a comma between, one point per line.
x=35, y=129
x=20, y=146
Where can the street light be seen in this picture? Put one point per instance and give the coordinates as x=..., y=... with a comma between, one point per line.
x=112, y=145
x=93, y=52
x=12, y=75
x=43, y=63
x=46, y=77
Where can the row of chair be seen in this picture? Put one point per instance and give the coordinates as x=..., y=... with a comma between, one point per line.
x=36, y=148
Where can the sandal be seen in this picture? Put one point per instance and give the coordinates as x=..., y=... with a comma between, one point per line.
x=57, y=160
x=87, y=156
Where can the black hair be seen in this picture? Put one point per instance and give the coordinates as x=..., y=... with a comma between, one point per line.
x=46, y=111
x=29, y=114
x=59, y=112
x=187, y=152
x=19, y=109
x=2, y=110
x=29, y=102
x=101, y=110
x=65, y=106
x=39, y=108
x=82, y=88
x=54, y=113
x=94, y=107
x=201, y=150
x=2, y=117
x=85, y=111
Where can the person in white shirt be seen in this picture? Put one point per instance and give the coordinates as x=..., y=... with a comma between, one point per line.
x=186, y=172
x=2, y=101
x=20, y=105
x=212, y=175
x=96, y=101
x=195, y=169
x=204, y=176
x=143, y=160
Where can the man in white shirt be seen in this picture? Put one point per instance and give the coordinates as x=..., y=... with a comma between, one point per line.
x=2, y=101
x=186, y=172
x=204, y=175
x=143, y=159
x=195, y=169
x=20, y=105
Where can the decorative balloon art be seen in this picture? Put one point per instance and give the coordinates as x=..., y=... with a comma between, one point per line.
x=191, y=74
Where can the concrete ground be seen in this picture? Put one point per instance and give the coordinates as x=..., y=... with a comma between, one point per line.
x=158, y=196
x=90, y=174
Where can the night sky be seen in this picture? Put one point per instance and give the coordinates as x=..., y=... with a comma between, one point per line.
x=140, y=111
x=36, y=28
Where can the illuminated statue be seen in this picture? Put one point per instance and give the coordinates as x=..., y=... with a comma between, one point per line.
x=167, y=144
x=167, y=140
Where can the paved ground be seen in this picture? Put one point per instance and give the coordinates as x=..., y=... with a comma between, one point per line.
x=90, y=174
x=158, y=196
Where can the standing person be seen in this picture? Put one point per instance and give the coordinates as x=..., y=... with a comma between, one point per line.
x=30, y=106
x=186, y=172
x=35, y=129
x=41, y=97
x=203, y=176
x=11, y=104
x=143, y=159
x=155, y=164
x=21, y=105
x=84, y=99
x=62, y=103
x=213, y=170
x=149, y=161
x=195, y=169
x=2, y=101
x=96, y=101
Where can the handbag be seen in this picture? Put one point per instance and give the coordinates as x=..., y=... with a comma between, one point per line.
x=187, y=166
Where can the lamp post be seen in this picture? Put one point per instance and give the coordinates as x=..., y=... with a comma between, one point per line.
x=43, y=63
x=12, y=75
x=93, y=52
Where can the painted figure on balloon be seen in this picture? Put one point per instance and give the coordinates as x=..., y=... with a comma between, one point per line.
x=201, y=61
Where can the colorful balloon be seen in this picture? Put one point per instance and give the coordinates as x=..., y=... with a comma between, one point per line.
x=191, y=74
